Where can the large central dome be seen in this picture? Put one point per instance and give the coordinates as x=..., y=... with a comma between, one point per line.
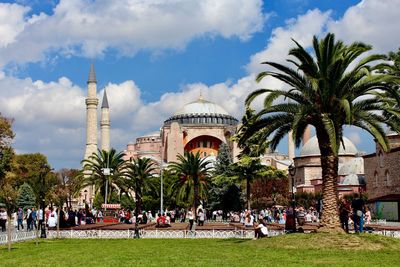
x=202, y=112
x=201, y=106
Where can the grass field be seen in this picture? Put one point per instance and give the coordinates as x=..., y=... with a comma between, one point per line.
x=287, y=250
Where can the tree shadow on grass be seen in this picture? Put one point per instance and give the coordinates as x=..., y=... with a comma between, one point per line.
x=234, y=240
x=5, y=249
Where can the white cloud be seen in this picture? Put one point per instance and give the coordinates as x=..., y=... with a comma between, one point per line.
x=88, y=28
x=11, y=22
x=371, y=21
x=302, y=29
x=50, y=117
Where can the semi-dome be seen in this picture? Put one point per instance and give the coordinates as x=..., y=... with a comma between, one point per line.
x=202, y=112
x=311, y=148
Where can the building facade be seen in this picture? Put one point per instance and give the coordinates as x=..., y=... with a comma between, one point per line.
x=308, y=176
x=200, y=126
x=382, y=171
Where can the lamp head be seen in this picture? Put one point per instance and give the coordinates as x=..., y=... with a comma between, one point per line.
x=292, y=170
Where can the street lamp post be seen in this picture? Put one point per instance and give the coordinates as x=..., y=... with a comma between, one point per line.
x=1, y=157
x=292, y=172
x=106, y=172
x=44, y=169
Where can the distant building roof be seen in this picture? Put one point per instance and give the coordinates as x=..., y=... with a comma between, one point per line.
x=311, y=148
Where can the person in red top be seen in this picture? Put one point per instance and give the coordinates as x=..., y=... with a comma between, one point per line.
x=162, y=221
x=128, y=217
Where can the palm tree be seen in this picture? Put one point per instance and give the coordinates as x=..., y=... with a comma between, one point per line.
x=192, y=172
x=333, y=89
x=249, y=166
x=138, y=179
x=93, y=171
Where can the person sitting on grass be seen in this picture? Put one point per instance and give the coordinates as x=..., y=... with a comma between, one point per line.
x=260, y=230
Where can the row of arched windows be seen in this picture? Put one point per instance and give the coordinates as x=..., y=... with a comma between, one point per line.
x=203, y=120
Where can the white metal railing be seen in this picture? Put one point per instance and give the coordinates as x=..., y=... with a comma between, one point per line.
x=18, y=236
x=113, y=234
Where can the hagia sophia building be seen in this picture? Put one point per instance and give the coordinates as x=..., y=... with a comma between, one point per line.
x=201, y=126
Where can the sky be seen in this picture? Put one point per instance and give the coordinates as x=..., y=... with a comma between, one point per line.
x=153, y=56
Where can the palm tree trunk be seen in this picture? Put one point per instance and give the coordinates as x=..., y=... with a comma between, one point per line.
x=9, y=233
x=329, y=163
x=248, y=192
x=195, y=197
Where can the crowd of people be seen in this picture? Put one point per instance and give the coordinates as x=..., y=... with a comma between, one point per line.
x=353, y=212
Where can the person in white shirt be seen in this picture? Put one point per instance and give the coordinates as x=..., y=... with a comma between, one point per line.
x=191, y=219
x=52, y=222
x=308, y=217
x=40, y=218
x=201, y=216
x=260, y=230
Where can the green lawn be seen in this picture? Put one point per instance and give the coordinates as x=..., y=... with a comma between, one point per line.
x=288, y=250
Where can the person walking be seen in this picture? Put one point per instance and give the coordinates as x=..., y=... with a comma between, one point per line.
x=191, y=219
x=201, y=217
x=20, y=218
x=3, y=219
x=28, y=219
x=34, y=218
x=344, y=211
x=40, y=218
x=358, y=213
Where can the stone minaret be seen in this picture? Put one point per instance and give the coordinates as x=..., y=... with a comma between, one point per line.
x=105, y=124
x=91, y=114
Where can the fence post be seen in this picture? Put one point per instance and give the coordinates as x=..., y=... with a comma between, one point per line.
x=128, y=233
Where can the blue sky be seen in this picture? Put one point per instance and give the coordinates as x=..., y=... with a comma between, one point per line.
x=154, y=56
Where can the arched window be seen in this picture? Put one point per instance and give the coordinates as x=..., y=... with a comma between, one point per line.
x=381, y=159
x=376, y=179
x=387, y=177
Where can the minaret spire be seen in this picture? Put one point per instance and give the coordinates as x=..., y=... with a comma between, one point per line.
x=91, y=114
x=105, y=123
x=92, y=75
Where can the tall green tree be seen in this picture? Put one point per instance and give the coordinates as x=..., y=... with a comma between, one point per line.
x=9, y=198
x=139, y=178
x=249, y=167
x=222, y=182
x=34, y=170
x=333, y=87
x=223, y=161
x=6, y=132
x=192, y=173
x=26, y=198
x=93, y=172
x=70, y=179
x=6, y=151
